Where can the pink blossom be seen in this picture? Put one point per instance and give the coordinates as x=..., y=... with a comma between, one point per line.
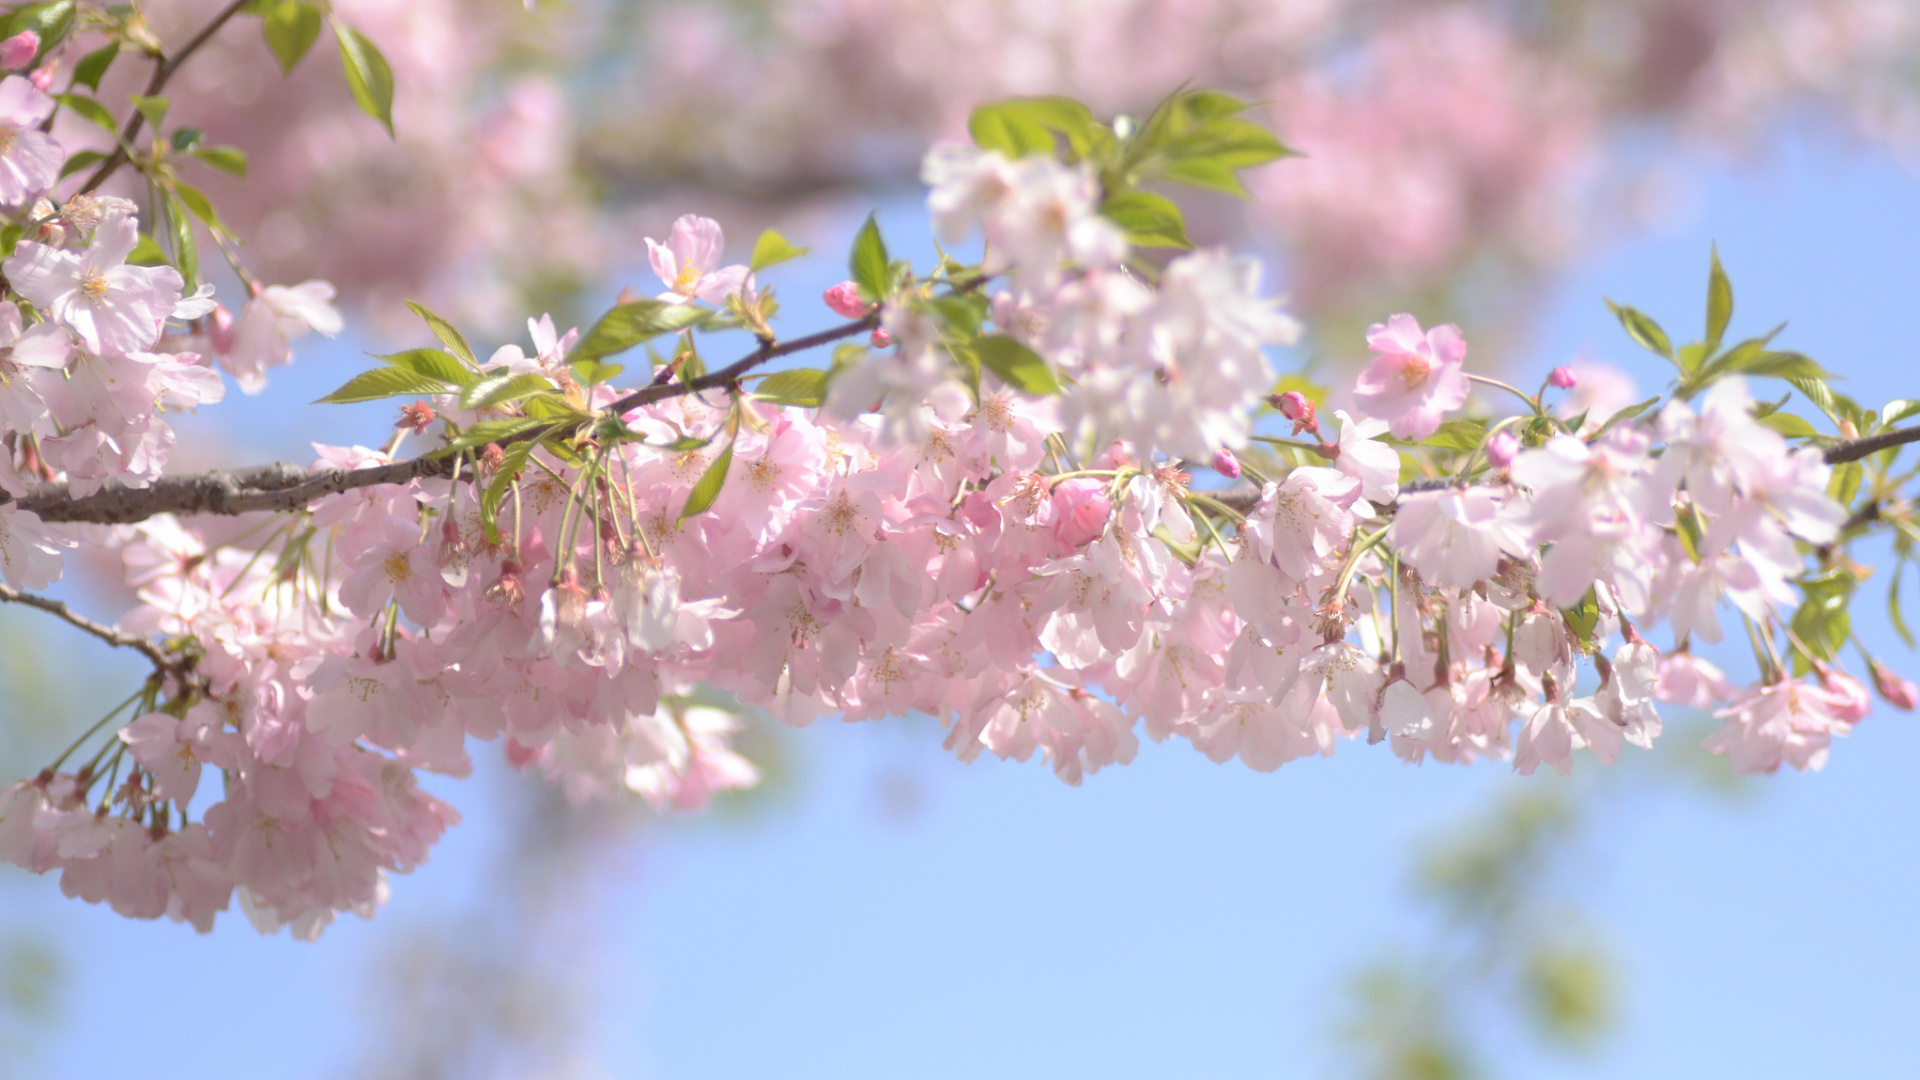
x=261, y=336
x=689, y=262
x=1417, y=377
x=1080, y=509
x=1787, y=722
x=19, y=50
x=29, y=158
x=115, y=308
x=1563, y=377
x=1502, y=448
x=846, y=301
x=1455, y=537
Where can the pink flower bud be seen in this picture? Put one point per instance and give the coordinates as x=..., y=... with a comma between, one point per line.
x=1563, y=377
x=1298, y=408
x=1900, y=693
x=881, y=339
x=42, y=77
x=220, y=330
x=845, y=299
x=1226, y=464
x=1501, y=449
x=1080, y=508
x=19, y=50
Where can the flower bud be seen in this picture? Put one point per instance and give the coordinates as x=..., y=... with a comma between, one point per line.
x=1898, y=692
x=42, y=77
x=1080, y=509
x=845, y=299
x=1298, y=408
x=1502, y=449
x=881, y=339
x=1563, y=377
x=1226, y=464
x=19, y=50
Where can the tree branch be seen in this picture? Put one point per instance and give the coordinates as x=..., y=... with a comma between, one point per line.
x=1854, y=449
x=161, y=661
x=163, y=70
x=729, y=375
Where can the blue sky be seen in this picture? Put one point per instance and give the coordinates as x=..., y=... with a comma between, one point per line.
x=891, y=912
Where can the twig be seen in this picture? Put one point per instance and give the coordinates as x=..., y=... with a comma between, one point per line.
x=161, y=660
x=1854, y=449
x=729, y=375
x=163, y=69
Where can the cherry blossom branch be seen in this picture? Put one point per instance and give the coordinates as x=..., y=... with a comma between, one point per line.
x=163, y=70
x=1854, y=449
x=731, y=374
x=279, y=486
x=161, y=660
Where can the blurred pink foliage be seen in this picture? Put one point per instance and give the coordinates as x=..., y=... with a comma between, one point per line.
x=1439, y=138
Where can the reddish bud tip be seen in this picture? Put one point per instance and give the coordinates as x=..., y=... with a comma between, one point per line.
x=1226, y=464
x=881, y=339
x=845, y=300
x=1502, y=449
x=1563, y=377
x=1900, y=693
x=19, y=50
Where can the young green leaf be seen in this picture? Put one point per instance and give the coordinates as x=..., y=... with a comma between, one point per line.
x=368, y=75
x=707, y=488
x=805, y=387
x=502, y=389
x=1624, y=415
x=385, y=382
x=92, y=66
x=593, y=372
x=199, y=206
x=1844, y=484
x=50, y=22
x=290, y=27
x=1719, y=303
x=444, y=330
x=152, y=109
x=494, y=431
x=1149, y=220
x=186, y=251
x=435, y=365
x=631, y=323
x=147, y=253
x=1463, y=435
x=80, y=160
x=1642, y=330
x=1789, y=424
x=1895, y=411
x=867, y=265
x=496, y=490
x=228, y=159
x=90, y=110
x=1017, y=365
x=772, y=249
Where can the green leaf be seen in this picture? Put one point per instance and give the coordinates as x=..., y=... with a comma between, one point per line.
x=185, y=139
x=631, y=323
x=496, y=491
x=199, y=206
x=228, y=159
x=1895, y=411
x=1893, y=606
x=502, y=389
x=448, y=336
x=1021, y=126
x=147, y=253
x=867, y=265
x=1463, y=435
x=1017, y=365
x=1583, y=616
x=80, y=160
x=772, y=249
x=960, y=315
x=1629, y=413
x=707, y=488
x=1845, y=482
x=1719, y=302
x=1205, y=173
x=368, y=75
x=89, y=109
x=385, y=382
x=1785, y=365
x=435, y=365
x=1642, y=330
x=1790, y=425
x=152, y=109
x=186, y=251
x=92, y=66
x=593, y=372
x=291, y=27
x=1150, y=220
x=805, y=387
x=495, y=431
